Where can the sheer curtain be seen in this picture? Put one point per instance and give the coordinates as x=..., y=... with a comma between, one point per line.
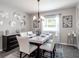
x=51, y=24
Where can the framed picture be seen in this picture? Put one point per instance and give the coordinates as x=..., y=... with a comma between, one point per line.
x=35, y=24
x=22, y=22
x=67, y=21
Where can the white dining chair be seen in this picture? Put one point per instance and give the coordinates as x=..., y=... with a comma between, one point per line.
x=51, y=39
x=23, y=34
x=25, y=46
x=31, y=34
x=48, y=47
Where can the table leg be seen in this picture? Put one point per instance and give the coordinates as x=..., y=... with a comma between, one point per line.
x=38, y=52
x=54, y=51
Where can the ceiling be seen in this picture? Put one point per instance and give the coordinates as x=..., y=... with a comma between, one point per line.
x=31, y=6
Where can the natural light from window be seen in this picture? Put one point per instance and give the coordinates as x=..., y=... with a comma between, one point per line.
x=50, y=23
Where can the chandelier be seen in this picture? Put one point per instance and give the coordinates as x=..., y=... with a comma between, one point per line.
x=38, y=18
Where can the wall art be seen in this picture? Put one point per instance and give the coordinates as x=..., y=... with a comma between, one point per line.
x=67, y=21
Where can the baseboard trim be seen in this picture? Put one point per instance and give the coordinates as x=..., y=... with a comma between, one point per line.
x=1, y=50
x=69, y=44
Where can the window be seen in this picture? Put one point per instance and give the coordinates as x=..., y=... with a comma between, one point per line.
x=50, y=23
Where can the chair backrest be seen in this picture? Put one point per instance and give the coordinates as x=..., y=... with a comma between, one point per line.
x=23, y=44
x=30, y=32
x=44, y=32
x=53, y=35
x=53, y=42
x=23, y=34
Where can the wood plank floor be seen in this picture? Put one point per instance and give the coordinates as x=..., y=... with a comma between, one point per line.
x=62, y=51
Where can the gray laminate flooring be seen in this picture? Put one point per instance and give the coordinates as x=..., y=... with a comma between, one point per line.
x=62, y=51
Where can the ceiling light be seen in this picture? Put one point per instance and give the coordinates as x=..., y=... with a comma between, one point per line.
x=38, y=18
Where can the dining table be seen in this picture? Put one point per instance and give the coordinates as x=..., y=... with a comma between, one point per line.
x=39, y=40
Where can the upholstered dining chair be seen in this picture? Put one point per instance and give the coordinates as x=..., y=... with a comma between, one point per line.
x=25, y=46
x=49, y=47
x=53, y=37
x=31, y=34
x=23, y=34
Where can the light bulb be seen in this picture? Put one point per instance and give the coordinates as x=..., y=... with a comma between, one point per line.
x=34, y=17
x=42, y=17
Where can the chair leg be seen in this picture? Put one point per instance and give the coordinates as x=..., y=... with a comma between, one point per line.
x=51, y=54
x=20, y=54
x=43, y=52
x=54, y=50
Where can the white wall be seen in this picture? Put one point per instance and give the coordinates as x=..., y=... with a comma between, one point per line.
x=63, y=12
x=6, y=21
x=77, y=24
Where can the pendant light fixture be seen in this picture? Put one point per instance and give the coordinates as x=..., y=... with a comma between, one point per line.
x=38, y=18
x=38, y=11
